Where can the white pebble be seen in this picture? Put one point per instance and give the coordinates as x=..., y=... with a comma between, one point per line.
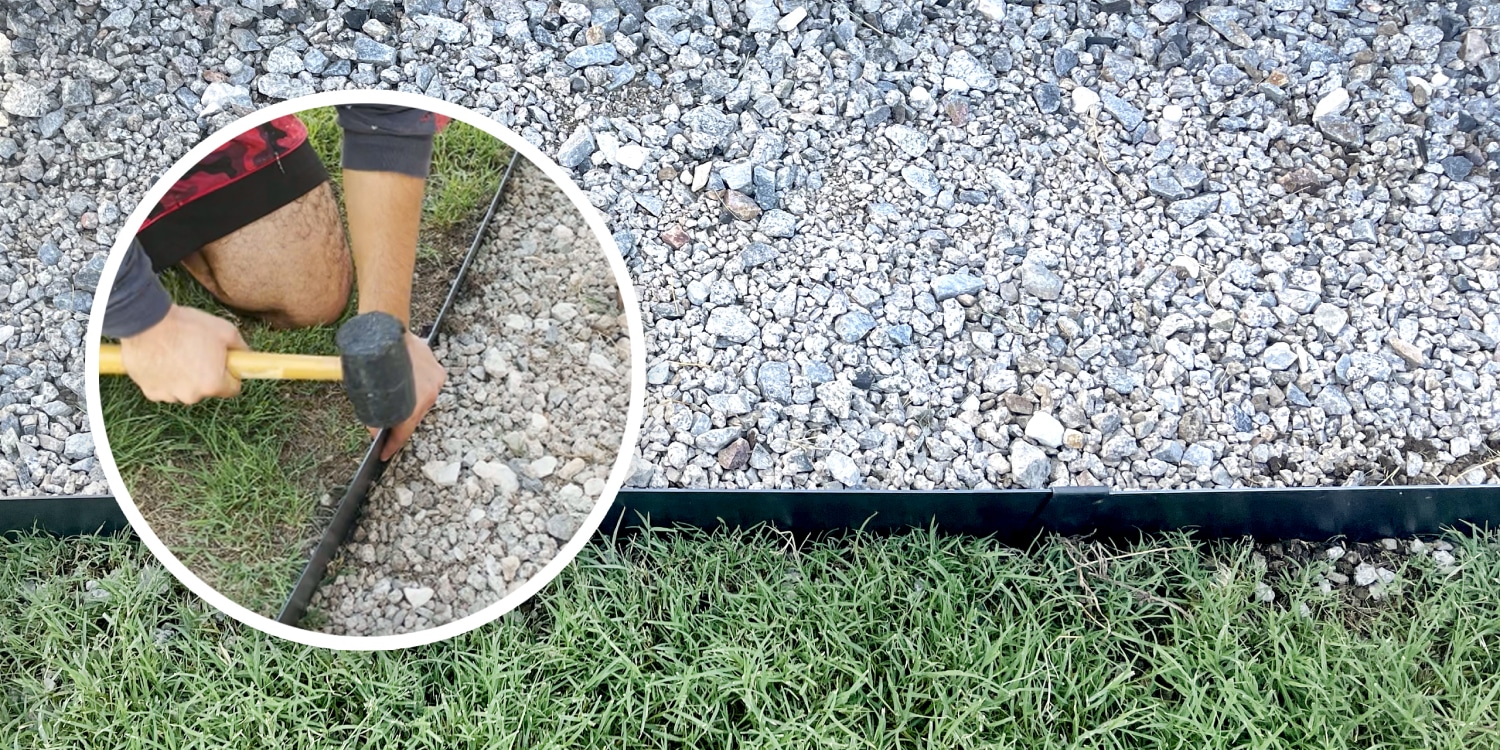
x=544, y=467
x=630, y=156
x=1045, y=429
x=1333, y=103
x=1187, y=265
x=1085, y=100
x=443, y=473
x=417, y=596
x=791, y=20
x=499, y=475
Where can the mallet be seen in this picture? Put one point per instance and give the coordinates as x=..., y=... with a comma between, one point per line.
x=373, y=364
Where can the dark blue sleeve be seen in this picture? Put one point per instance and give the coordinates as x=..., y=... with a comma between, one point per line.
x=385, y=138
x=137, y=301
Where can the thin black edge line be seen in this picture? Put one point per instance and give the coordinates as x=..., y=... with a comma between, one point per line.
x=627, y=492
x=51, y=498
x=1374, y=489
x=342, y=523
x=295, y=607
x=103, y=510
x=1445, y=493
x=479, y=240
x=816, y=491
x=1049, y=491
x=1042, y=505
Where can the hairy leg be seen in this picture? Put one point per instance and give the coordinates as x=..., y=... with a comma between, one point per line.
x=292, y=267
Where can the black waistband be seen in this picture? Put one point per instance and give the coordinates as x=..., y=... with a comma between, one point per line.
x=187, y=229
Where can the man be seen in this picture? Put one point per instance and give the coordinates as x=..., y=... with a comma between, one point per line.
x=256, y=223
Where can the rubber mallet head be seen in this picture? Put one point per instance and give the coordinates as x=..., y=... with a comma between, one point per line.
x=377, y=369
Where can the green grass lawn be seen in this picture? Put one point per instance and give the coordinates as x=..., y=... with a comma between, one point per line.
x=232, y=487
x=744, y=640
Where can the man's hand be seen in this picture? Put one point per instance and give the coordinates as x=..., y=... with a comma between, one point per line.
x=428, y=375
x=182, y=358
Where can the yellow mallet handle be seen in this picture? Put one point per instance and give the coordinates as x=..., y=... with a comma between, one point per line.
x=249, y=365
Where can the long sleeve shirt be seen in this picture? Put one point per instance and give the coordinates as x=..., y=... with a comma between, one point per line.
x=377, y=138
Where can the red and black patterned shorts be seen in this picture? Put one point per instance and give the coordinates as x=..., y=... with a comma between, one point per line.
x=241, y=182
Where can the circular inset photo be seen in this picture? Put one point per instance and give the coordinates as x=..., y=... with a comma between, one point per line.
x=366, y=370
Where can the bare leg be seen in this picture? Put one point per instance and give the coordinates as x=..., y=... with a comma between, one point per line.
x=292, y=267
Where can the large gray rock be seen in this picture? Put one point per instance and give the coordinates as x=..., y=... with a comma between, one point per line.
x=844, y=470
x=1190, y=210
x=714, y=441
x=1040, y=281
x=922, y=180
x=25, y=99
x=775, y=381
x=853, y=326
x=756, y=254
x=278, y=86
x=220, y=96
x=909, y=140
x=1127, y=113
x=1030, y=467
x=949, y=286
x=778, y=223
x=367, y=50
x=577, y=149
x=594, y=54
x=78, y=446
x=1341, y=130
x=709, y=123
x=1278, y=356
x=966, y=67
x=762, y=14
x=732, y=324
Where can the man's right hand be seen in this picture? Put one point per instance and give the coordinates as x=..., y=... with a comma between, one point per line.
x=182, y=359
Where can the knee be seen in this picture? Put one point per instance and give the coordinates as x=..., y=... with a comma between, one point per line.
x=292, y=268
x=315, y=306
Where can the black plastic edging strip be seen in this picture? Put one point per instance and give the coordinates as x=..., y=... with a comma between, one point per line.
x=479, y=239
x=1358, y=513
x=371, y=468
x=63, y=516
x=334, y=534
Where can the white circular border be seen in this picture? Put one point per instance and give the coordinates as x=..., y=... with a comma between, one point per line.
x=633, y=413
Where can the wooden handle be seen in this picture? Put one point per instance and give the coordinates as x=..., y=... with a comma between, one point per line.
x=248, y=365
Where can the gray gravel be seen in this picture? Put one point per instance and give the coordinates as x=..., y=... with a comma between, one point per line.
x=1151, y=194
x=516, y=453
x=1361, y=576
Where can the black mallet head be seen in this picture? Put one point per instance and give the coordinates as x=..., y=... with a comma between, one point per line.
x=377, y=369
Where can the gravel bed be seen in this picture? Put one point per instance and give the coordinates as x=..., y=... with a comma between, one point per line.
x=883, y=243
x=516, y=453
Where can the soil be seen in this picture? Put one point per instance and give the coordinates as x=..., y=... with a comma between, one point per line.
x=1357, y=606
x=435, y=272
x=333, y=463
x=1297, y=571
